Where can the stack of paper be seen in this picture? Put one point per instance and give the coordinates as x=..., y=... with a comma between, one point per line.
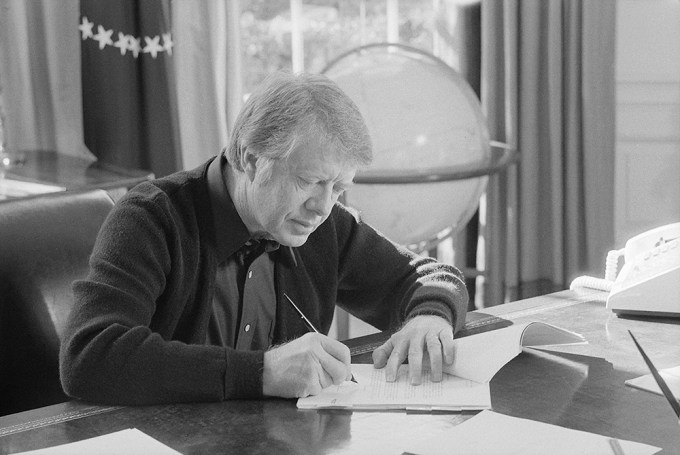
x=465, y=385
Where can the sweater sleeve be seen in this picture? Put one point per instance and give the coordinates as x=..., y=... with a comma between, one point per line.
x=385, y=284
x=134, y=335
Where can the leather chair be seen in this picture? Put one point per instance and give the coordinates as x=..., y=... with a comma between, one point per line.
x=45, y=244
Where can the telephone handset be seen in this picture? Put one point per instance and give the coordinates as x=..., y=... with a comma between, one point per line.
x=649, y=281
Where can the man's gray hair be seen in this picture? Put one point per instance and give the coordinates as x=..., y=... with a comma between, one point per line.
x=287, y=108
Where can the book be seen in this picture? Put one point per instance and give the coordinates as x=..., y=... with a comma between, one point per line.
x=465, y=384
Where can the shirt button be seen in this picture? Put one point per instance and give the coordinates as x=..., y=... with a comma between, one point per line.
x=250, y=274
x=247, y=327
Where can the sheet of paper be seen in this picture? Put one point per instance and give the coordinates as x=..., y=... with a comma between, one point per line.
x=18, y=188
x=490, y=433
x=373, y=392
x=479, y=357
x=129, y=442
x=647, y=382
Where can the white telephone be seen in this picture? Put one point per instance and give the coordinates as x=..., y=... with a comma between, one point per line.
x=649, y=281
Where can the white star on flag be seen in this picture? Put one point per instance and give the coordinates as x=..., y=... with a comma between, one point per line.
x=135, y=45
x=85, y=28
x=125, y=42
x=152, y=46
x=167, y=43
x=122, y=43
x=104, y=37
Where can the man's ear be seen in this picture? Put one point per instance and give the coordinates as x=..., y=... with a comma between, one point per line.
x=249, y=163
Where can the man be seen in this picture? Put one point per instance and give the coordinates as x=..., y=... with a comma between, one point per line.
x=185, y=301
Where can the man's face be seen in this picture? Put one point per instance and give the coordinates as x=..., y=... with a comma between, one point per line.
x=299, y=194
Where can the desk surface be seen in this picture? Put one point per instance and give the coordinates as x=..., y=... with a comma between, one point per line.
x=580, y=387
x=73, y=173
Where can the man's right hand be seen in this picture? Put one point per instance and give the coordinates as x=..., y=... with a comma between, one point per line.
x=305, y=366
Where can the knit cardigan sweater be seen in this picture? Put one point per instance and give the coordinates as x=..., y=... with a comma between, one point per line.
x=137, y=332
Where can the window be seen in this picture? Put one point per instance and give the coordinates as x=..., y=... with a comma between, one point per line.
x=306, y=35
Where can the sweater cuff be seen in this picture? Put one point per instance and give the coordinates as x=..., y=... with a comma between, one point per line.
x=432, y=308
x=243, y=374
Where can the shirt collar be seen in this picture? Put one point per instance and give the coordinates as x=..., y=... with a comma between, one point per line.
x=230, y=231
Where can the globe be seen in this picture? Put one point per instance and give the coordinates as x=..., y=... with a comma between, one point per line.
x=424, y=119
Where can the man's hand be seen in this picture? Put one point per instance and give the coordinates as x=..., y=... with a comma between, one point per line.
x=423, y=335
x=304, y=366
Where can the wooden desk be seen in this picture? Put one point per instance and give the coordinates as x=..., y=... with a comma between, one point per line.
x=73, y=173
x=580, y=387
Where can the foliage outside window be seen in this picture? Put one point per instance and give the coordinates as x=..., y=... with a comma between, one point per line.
x=329, y=28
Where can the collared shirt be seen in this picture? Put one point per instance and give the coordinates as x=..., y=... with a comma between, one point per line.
x=244, y=301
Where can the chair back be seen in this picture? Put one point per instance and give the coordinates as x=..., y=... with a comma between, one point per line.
x=45, y=244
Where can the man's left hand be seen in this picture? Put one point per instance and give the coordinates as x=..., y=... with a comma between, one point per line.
x=422, y=336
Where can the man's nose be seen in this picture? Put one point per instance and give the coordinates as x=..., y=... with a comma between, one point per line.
x=321, y=202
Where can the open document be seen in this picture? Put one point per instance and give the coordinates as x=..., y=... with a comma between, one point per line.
x=372, y=392
x=465, y=386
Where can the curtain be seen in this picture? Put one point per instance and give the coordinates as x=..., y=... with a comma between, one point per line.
x=40, y=76
x=208, y=68
x=457, y=41
x=548, y=89
x=129, y=98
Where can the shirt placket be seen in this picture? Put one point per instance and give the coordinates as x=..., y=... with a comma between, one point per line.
x=258, y=304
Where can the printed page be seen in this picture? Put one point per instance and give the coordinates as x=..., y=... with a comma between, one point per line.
x=490, y=433
x=372, y=392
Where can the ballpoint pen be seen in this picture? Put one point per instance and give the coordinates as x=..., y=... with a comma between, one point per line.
x=308, y=323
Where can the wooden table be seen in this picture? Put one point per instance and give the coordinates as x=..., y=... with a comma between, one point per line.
x=72, y=173
x=580, y=387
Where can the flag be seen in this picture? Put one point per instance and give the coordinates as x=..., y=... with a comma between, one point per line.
x=129, y=101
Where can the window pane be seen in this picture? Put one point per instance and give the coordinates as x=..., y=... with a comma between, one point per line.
x=332, y=27
x=416, y=23
x=265, y=39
